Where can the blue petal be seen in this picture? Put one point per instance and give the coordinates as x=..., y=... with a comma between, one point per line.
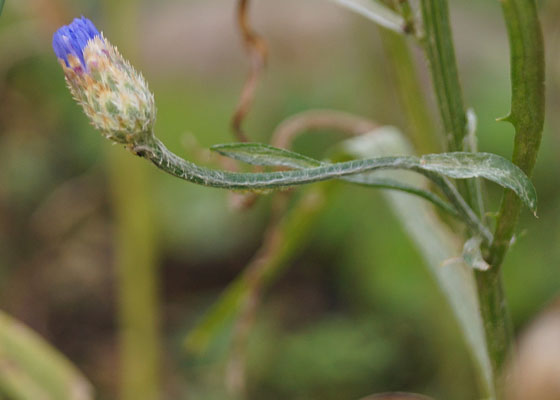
x=73, y=38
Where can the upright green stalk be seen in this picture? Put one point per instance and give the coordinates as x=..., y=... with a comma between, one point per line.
x=438, y=44
x=136, y=257
x=527, y=108
x=136, y=273
x=527, y=116
x=441, y=55
x=410, y=93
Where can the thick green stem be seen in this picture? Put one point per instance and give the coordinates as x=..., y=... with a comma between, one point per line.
x=496, y=318
x=527, y=109
x=527, y=116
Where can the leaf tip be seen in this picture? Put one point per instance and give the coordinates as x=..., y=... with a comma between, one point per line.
x=216, y=147
x=533, y=207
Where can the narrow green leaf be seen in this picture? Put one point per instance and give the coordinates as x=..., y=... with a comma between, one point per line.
x=378, y=182
x=31, y=369
x=376, y=12
x=462, y=165
x=1, y=6
x=458, y=165
x=155, y=151
x=205, y=331
x=265, y=155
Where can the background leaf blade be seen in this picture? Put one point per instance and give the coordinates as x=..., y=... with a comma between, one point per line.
x=31, y=367
x=376, y=12
x=437, y=245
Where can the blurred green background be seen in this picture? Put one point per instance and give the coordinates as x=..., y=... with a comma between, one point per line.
x=355, y=313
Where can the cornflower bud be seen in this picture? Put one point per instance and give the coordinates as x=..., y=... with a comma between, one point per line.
x=113, y=95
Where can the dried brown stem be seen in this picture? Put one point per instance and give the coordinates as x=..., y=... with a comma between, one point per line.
x=314, y=120
x=256, y=271
x=257, y=52
x=307, y=121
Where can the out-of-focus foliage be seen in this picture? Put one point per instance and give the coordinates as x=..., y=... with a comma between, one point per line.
x=31, y=369
x=355, y=313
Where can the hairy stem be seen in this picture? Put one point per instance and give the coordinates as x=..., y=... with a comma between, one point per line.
x=441, y=55
x=496, y=318
x=527, y=109
x=527, y=116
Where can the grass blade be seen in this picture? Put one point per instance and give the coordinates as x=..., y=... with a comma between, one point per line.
x=31, y=369
x=437, y=245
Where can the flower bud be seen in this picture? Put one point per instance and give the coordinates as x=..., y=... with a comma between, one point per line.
x=113, y=95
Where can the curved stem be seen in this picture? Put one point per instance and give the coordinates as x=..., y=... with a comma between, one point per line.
x=164, y=159
x=257, y=53
x=317, y=120
x=169, y=162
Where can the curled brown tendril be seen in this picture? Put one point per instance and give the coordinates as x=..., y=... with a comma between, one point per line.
x=257, y=52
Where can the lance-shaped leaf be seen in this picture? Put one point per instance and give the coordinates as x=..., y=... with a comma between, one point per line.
x=458, y=165
x=265, y=155
x=31, y=369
